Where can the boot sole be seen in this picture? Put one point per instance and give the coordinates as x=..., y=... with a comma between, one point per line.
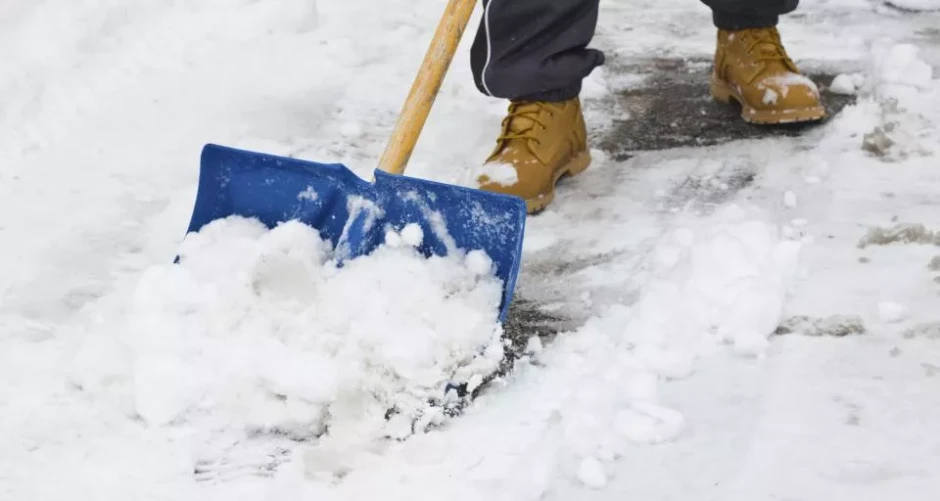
x=578, y=164
x=723, y=93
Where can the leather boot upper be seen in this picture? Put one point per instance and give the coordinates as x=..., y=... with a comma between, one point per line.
x=538, y=143
x=753, y=66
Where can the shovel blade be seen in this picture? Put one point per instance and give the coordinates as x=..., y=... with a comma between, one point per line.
x=354, y=214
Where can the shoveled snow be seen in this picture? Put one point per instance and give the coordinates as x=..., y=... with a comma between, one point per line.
x=259, y=331
x=412, y=234
x=896, y=67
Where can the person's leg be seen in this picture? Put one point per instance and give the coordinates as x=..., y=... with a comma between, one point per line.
x=743, y=14
x=753, y=68
x=534, y=49
x=534, y=53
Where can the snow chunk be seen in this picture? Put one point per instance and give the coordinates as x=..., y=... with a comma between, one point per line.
x=743, y=274
x=900, y=64
x=897, y=74
x=259, y=330
x=891, y=312
x=591, y=473
x=412, y=234
x=846, y=84
x=393, y=239
x=479, y=262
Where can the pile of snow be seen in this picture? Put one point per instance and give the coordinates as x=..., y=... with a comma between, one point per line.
x=895, y=72
x=261, y=331
x=595, y=394
x=728, y=286
x=721, y=285
x=894, y=93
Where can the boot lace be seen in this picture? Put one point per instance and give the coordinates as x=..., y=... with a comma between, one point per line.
x=765, y=45
x=519, y=110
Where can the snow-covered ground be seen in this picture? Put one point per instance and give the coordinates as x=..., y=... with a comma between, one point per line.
x=772, y=339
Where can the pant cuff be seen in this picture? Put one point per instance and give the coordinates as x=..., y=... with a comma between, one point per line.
x=557, y=95
x=742, y=21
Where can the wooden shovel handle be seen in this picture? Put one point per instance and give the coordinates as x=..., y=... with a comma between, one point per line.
x=426, y=85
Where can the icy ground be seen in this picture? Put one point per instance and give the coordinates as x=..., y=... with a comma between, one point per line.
x=749, y=320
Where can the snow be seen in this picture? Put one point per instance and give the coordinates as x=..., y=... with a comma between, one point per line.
x=844, y=84
x=897, y=71
x=479, y=262
x=770, y=97
x=499, y=173
x=412, y=234
x=714, y=341
x=298, y=357
x=591, y=473
x=785, y=81
x=889, y=311
x=308, y=194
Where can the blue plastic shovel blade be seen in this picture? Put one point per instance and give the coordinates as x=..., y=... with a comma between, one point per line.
x=354, y=214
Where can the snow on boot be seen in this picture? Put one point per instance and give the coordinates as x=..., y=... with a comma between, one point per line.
x=752, y=67
x=540, y=142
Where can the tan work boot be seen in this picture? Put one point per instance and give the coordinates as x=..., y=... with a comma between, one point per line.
x=752, y=67
x=540, y=142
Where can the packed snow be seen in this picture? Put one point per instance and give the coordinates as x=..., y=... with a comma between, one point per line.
x=261, y=331
x=772, y=339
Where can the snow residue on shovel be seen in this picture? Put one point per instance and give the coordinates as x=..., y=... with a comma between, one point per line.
x=259, y=330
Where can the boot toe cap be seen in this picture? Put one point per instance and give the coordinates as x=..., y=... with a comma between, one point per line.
x=790, y=92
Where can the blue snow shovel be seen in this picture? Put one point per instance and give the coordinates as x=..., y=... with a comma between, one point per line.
x=355, y=214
